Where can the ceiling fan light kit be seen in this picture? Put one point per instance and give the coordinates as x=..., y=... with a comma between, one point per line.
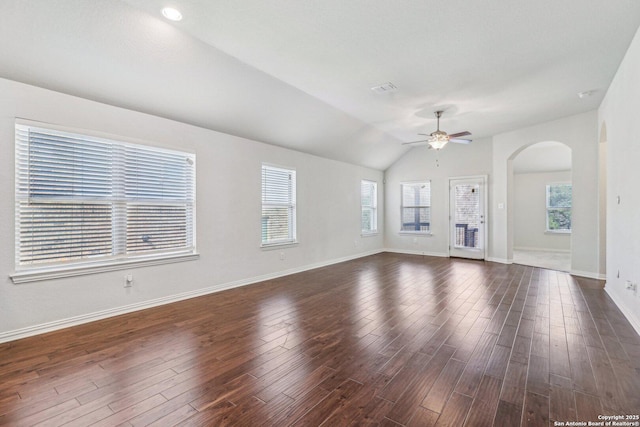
x=438, y=139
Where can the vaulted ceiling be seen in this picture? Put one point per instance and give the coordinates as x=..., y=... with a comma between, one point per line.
x=299, y=73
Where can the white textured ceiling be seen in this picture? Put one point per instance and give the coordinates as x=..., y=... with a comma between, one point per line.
x=298, y=73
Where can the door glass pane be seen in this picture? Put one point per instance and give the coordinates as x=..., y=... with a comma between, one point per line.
x=467, y=215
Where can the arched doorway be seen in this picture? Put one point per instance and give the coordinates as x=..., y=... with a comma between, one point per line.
x=540, y=205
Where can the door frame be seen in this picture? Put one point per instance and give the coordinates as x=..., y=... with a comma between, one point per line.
x=485, y=182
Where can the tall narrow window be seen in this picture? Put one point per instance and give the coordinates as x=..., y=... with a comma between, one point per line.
x=83, y=199
x=559, y=208
x=278, y=205
x=369, y=205
x=416, y=207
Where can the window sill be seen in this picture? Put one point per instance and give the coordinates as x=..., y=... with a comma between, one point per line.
x=368, y=234
x=557, y=232
x=270, y=246
x=36, y=275
x=416, y=233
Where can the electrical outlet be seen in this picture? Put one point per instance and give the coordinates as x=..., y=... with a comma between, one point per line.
x=281, y=256
x=128, y=280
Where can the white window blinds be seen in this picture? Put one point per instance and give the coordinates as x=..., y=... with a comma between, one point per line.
x=278, y=205
x=416, y=207
x=80, y=198
x=369, y=205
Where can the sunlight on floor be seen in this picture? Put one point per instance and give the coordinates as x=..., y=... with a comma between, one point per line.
x=560, y=261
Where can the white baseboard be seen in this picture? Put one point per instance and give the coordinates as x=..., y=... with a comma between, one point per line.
x=629, y=314
x=103, y=314
x=116, y=311
x=588, y=274
x=525, y=248
x=500, y=260
x=412, y=252
x=443, y=255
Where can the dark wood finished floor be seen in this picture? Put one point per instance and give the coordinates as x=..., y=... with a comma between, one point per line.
x=383, y=340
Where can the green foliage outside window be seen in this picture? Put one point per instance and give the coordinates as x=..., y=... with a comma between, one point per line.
x=559, y=207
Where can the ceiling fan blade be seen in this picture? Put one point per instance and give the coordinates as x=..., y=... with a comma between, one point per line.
x=459, y=134
x=415, y=142
x=459, y=140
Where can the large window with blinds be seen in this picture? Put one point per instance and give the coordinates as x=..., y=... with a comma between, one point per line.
x=278, y=205
x=85, y=200
x=369, y=207
x=416, y=207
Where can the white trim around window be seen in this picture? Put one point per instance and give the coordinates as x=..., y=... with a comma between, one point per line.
x=87, y=203
x=558, y=208
x=278, y=222
x=368, y=207
x=415, y=207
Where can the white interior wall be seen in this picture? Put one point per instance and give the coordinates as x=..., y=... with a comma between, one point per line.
x=329, y=223
x=619, y=111
x=529, y=212
x=580, y=133
x=228, y=215
x=547, y=156
x=492, y=157
x=419, y=163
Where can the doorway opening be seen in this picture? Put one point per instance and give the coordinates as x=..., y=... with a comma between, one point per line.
x=542, y=203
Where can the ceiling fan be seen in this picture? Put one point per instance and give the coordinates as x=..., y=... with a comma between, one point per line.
x=439, y=138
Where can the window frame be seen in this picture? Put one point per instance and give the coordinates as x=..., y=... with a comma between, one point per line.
x=292, y=238
x=117, y=259
x=427, y=232
x=549, y=208
x=373, y=207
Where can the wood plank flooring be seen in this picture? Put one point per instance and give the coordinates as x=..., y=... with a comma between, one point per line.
x=384, y=340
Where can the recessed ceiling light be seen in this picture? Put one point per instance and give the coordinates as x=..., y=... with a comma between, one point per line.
x=585, y=94
x=171, y=14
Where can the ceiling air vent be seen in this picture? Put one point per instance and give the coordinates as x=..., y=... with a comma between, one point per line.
x=385, y=88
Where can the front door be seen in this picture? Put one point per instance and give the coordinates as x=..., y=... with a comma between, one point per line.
x=467, y=217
